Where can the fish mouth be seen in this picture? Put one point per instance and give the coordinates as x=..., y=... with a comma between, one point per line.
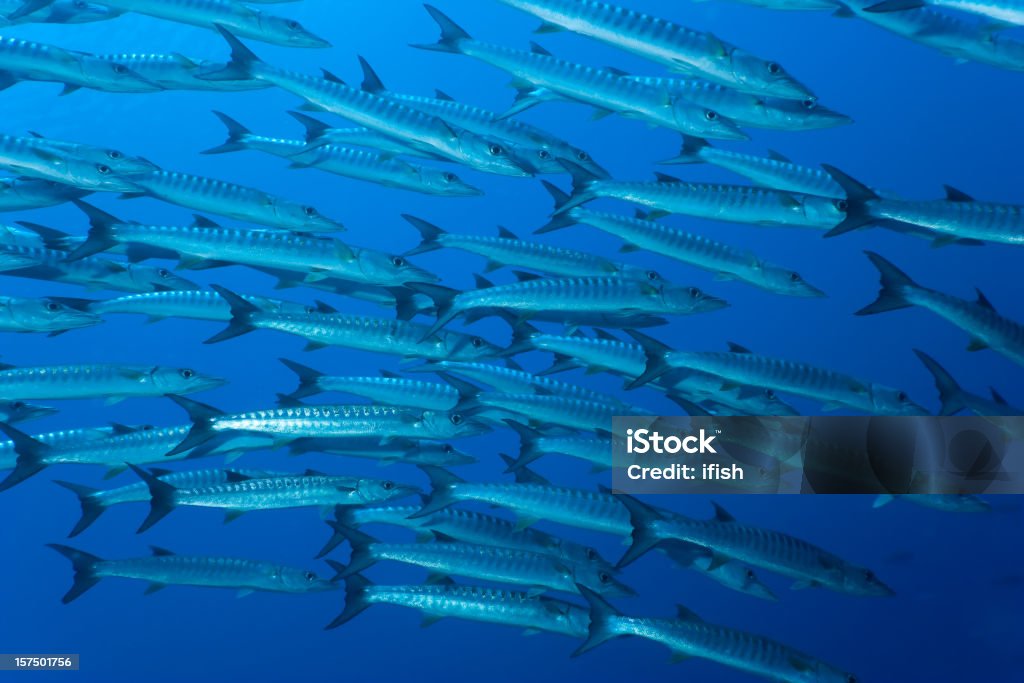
x=711, y=303
x=32, y=412
x=403, y=490
x=328, y=225
x=309, y=40
x=464, y=191
x=730, y=132
x=418, y=275
x=207, y=383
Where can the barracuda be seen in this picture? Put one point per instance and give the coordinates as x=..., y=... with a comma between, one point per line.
x=282, y=425
x=563, y=411
x=531, y=146
x=227, y=199
x=165, y=568
x=26, y=60
x=954, y=398
x=600, y=88
x=319, y=133
x=81, y=166
x=208, y=244
x=986, y=327
x=388, y=389
x=243, y=20
x=13, y=453
x=739, y=367
x=1009, y=12
x=605, y=301
x=726, y=261
x=943, y=31
x=473, y=603
x=370, y=166
x=510, y=380
x=21, y=194
x=404, y=451
x=730, y=203
x=690, y=636
x=534, y=444
x=380, y=114
x=113, y=382
x=95, y=502
x=192, y=304
x=20, y=411
x=489, y=563
x=380, y=335
x=464, y=526
x=240, y=494
x=57, y=12
x=957, y=219
x=508, y=250
x=677, y=47
x=42, y=315
x=781, y=553
x=175, y=71
x=40, y=263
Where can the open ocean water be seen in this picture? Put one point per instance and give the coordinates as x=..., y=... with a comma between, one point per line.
x=921, y=121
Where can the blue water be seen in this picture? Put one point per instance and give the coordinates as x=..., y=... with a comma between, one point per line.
x=921, y=121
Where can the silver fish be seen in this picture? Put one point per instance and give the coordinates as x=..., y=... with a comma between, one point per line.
x=42, y=315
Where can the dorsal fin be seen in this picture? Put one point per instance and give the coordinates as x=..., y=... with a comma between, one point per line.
x=160, y=552
x=322, y=307
x=666, y=178
x=328, y=76
x=482, y=282
x=983, y=301
x=538, y=50
x=777, y=156
x=523, y=276
x=721, y=515
x=616, y=71
x=442, y=95
x=506, y=233
x=605, y=335
x=738, y=348
x=686, y=614
x=955, y=195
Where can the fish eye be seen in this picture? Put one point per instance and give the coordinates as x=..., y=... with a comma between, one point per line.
x=80, y=4
x=114, y=154
x=902, y=398
x=695, y=293
x=851, y=679
x=310, y=310
x=582, y=156
x=774, y=68
x=869, y=575
x=388, y=485
x=456, y=419
x=293, y=25
x=544, y=154
x=103, y=169
x=750, y=575
x=52, y=306
x=591, y=554
x=495, y=150
x=187, y=373
x=477, y=342
x=795, y=277
x=163, y=272
x=120, y=69
x=310, y=576
x=309, y=211
x=769, y=394
x=810, y=103
x=653, y=276
x=842, y=205
x=711, y=115
x=449, y=177
x=448, y=449
x=397, y=261
x=18, y=405
x=603, y=577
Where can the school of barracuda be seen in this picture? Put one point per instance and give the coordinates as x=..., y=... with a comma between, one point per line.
x=710, y=90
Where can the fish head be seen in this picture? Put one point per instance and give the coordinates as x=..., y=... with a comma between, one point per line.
x=113, y=75
x=153, y=279
x=888, y=401
x=705, y=122
x=446, y=183
x=687, y=300
x=20, y=411
x=600, y=580
x=805, y=114
x=582, y=159
x=391, y=270
x=788, y=282
x=765, y=77
x=17, y=236
x=306, y=217
x=380, y=490
x=48, y=315
x=78, y=12
x=438, y=454
x=443, y=425
x=13, y=260
x=809, y=670
x=862, y=581
x=489, y=155
x=464, y=347
x=180, y=381
x=819, y=211
x=290, y=32
x=751, y=585
x=292, y=580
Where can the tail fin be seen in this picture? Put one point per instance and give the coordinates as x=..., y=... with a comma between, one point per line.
x=242, y=61
x=444, y=302
x=101, y=232
x=342, y=520
x=451, y=33
x=894, y=281
x=655, y=351
x=430, y=234
x=31, y=456
x=951, y=394
x=91, y=508
x=522, y=336
x=315, y=128
x=28, y=7
x=528, y=451
x=161, y=498
x=371, y=81
x=201, y=415
x=356, y=586
x=522, y=473
x=441, y=484
x=582, y=186
x=602, y=621
x=361, y=557
x=643, y=538
x=236, y=136
x=308, y=379
x=84, y=566
x=857, y=196
x=241, y=316
x=558, y=220
x=689, y=153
